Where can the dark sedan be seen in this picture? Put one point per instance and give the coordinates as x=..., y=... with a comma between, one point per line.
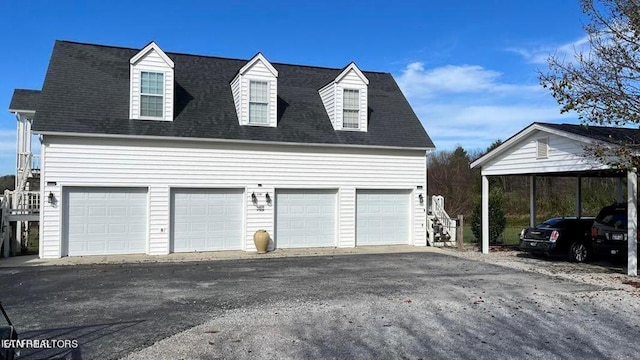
x=567, y=237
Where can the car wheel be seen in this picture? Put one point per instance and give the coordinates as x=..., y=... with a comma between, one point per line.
x=578, y=252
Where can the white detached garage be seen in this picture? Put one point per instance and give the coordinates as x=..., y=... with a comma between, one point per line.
x=200, y=152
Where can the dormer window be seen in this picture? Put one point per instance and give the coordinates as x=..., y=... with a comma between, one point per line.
x=351, y=109
x=151, y=80
x=151, y=94
x=258, y=102
x=345, y=100
x=255, y=93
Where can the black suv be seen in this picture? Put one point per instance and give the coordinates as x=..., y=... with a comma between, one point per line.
x=609, y=231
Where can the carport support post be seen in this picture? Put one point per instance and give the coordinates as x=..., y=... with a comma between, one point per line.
x=485, y=214
x=632, y=229
x=532, y=201
x=579, y=196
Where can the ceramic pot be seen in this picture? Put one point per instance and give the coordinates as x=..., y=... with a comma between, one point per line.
x=261, y=240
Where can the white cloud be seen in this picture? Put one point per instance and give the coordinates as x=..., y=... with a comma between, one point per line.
x=539, y=54
x=415, y=81
x=470, y=106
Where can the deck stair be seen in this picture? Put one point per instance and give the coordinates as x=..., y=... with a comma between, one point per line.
x=441, y=227
x=21, y=206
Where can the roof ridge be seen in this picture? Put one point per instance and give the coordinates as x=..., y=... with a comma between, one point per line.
x=220, y=57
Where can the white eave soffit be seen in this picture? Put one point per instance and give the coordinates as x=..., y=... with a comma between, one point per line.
x=152, y=46
x=255, y=59
x=22, y=112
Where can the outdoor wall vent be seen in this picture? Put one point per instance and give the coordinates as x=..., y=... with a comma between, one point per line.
x=542, y=148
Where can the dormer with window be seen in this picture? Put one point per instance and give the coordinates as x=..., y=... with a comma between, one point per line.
x=151, y=81
x=345, y=100
x=255, y=93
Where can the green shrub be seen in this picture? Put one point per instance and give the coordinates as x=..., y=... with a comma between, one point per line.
x=497, y=220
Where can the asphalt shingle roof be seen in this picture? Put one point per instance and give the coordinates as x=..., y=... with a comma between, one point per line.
x=86, y=90
x=609, y=134
x=24, y=99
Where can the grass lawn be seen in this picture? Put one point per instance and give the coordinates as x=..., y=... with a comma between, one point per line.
x=511, y=234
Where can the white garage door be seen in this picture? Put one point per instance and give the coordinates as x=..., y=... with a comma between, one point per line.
x=100, y=221
x=207, y=219
x=305, y=218
x=382, y=217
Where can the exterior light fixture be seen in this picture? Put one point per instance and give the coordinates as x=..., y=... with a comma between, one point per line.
x=254, y=198
x=51, y=198
x=266, y=196
x=421, y=197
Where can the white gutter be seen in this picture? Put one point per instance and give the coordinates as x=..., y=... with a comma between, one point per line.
x=233, y=141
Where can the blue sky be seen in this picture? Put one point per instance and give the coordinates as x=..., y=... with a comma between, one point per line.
x=467, y=67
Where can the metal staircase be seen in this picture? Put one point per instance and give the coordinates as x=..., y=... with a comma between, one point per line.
x=441, y=227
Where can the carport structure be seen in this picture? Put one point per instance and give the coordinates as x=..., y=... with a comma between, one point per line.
x=543, y=149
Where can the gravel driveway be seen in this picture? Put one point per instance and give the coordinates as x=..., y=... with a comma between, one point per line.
x=414, y=305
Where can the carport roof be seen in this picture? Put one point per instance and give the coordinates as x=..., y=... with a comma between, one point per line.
x=566, y=145
x=600, y=133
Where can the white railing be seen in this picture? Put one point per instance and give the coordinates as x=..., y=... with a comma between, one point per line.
x=24, y=170
x=17, y=206
x=35, y=162
x=28, y=166
x=22, y=202
x=448, y=224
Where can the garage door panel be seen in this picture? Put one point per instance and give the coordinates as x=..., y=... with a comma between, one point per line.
x=305, y=218
x=102, y=221
x=90, y=195
x=207, y=219
x=382, y=217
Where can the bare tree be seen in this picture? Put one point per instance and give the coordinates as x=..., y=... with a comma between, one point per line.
x=602, y=83
x=7, y=182
x=449, y=175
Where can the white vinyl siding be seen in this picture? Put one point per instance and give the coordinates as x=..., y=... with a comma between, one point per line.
x=563, y=154
x=382, y=217
x=305, y=218
x=327, y=94
x=101, y=221
x=347, y=217
x=235, y=91
x=258, y=102
x=351, y=109
x=206, y=219
x=162, y=165
x=151, y=94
